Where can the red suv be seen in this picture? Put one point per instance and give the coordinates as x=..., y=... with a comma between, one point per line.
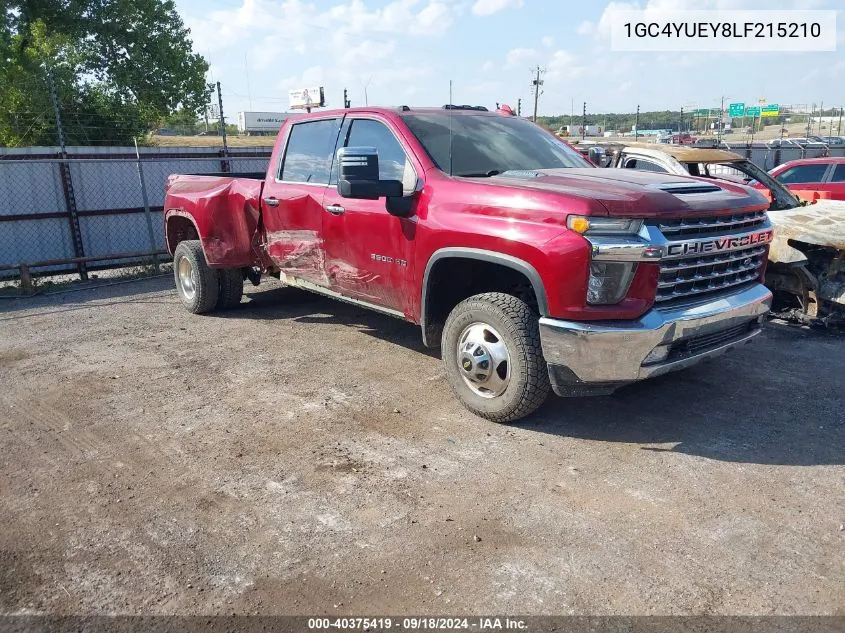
x=814, y=174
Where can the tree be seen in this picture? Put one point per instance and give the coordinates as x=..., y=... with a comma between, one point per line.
x=119, y=67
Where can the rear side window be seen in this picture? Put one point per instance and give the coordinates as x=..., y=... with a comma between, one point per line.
x=838, y=173
x=645, y=165
x=803, y=173
x=309, y=152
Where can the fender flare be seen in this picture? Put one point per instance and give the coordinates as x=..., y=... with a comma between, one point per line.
x=169, y=213
x=492, y=257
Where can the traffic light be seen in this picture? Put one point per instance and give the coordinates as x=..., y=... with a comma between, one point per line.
x=346, y=102
x=519, y=107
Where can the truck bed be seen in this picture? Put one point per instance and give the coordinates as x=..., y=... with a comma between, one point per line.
x=227, y=205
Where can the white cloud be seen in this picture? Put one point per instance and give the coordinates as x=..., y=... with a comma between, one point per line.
x=435, y=18
x=488, y=66
x=518, y=56
x=489, y=7
x=548, y=41
x=293, y=24
x=564, y=65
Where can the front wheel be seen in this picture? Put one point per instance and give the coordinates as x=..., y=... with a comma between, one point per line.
x=493, y=357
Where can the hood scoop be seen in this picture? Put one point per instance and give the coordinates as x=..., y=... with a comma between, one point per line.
x=681, y=189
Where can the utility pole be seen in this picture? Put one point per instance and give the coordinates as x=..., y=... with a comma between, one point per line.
x=721, y=118
x=584, y=121
x=810, y=118
x=681, y=126
x=536, y=83
x=839, y=125
x=637, y=124
x=222, y=127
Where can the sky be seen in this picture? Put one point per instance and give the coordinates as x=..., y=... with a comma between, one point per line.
x=406, y=51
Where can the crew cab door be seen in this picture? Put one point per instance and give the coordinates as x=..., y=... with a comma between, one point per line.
x=368, y=251
x=292, y=201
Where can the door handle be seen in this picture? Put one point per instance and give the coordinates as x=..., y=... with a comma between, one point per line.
x=271, y=202
x=335, y=209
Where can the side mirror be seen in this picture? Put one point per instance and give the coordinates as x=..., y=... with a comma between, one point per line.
x=597, y=155
x=359, y=177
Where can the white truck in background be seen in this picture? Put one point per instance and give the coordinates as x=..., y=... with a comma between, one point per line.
x=250, y=123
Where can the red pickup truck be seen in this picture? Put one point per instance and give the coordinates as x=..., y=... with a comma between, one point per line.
x=530, y=268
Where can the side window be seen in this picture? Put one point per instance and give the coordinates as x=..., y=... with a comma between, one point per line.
x=309, y=152
x=630, y=163
x=838, y=173
x=803, y=173
x=646, y=165
x=393, y=163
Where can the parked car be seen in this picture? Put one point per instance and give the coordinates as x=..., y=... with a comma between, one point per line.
x=530, y=269
x=684, y=138
x=706, y=142
x=807, y=256
x=783, y=142
x=814, y=174
x=834, y=140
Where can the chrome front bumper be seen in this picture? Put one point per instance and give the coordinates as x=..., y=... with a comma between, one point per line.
x=596, y=357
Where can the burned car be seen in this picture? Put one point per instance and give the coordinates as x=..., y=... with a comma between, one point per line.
x=807, y=258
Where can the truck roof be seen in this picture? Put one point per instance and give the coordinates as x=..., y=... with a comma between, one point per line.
x=457, y=110
x=687, y=154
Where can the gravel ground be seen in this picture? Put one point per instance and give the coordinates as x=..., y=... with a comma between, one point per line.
x=302, y=456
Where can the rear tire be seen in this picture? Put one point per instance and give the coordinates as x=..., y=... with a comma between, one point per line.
x=231, y=288
x=493, y=357
x=197, y=284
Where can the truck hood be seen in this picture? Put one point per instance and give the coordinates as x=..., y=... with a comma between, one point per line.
x=628, y=192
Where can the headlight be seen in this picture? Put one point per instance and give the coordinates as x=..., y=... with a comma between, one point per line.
x=603, y=226
x=609, y=281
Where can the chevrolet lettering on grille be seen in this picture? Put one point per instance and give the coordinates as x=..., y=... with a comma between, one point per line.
x=719, y=244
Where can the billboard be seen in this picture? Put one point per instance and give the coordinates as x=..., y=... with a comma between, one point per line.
x=304, y=98
x=261, y=121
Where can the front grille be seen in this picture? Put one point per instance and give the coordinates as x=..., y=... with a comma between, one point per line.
x=699, y=344
x=700, y=274
x=722, y=224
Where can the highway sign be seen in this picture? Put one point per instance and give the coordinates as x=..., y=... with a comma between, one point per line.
x=752, y=111
x=736, y=110
x=770, y=110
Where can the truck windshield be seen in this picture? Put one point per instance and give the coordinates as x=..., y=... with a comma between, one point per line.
x=484, y=145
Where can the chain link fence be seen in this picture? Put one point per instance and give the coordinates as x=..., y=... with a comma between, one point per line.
x=94, y=210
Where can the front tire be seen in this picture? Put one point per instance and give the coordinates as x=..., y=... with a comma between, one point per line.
x=197, y=284
x=493, y=357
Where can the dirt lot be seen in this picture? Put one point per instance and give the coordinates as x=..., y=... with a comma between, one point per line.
x=299, y=455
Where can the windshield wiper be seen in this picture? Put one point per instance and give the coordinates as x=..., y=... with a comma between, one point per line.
x=486, y=174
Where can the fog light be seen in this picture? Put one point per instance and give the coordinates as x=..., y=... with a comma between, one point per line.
x=657, y=355
x=609, y=281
